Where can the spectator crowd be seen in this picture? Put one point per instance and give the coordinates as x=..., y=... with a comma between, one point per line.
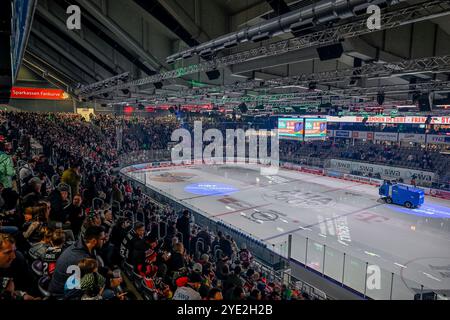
x=72, y=229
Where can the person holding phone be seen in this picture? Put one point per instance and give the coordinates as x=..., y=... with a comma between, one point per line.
x=113, y=289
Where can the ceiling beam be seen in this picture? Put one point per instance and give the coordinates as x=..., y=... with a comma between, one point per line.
x=67, y=55
x=76, y=37
x=147, y=59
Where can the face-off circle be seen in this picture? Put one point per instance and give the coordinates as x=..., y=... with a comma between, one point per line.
x=265, y=215
x=300, y=198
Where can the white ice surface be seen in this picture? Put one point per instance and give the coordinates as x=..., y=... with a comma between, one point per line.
x=345, y=216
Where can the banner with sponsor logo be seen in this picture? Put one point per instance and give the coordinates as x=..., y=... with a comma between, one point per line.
x=411, y=137
x=38, y=94
x=363, y=135
x=384, y=171
x=342, y=134
x=386, y=136
x=389, y=119
x=431, y=138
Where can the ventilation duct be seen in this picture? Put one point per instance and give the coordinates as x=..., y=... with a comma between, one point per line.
x=326, y=11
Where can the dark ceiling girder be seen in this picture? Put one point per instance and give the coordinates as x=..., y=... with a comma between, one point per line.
x=106, y=38
x=154, y=8
x=160, y=13
x=279, y=6
x=43, y=41
x=74, y=44
x=44, y=62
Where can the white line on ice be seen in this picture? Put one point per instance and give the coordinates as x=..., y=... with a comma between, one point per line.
x=400, y=265
x=371, y=254
x=431, y=277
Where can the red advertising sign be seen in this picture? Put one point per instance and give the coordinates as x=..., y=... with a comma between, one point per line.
x=38, y=94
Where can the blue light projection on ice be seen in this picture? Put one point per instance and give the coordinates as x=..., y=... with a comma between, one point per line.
x=426, y=210
x=210, y=189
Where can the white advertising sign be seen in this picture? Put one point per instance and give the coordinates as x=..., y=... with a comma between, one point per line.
x=411, y=137
x=384, y=171
x=386, y=136
x=438, y=139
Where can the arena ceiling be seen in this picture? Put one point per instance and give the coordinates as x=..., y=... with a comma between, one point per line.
x=120, y=54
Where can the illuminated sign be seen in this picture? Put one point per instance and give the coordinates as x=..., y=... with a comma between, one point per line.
x=291, y=128
x=394, y=120
x=315, y=128
x=38, y=94
x=210, y=189
x=302, y=128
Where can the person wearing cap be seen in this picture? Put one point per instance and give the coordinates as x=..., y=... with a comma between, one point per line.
x=197, y=267
x=190, y=290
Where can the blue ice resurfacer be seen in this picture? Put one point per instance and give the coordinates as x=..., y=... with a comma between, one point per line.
x=401, y=194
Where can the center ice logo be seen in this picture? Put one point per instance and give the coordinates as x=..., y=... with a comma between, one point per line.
x=209, y=147
x=299, y=198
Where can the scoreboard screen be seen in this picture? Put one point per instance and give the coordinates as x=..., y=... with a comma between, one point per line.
x=291, y=128
x=315, y=128
x=302, y=129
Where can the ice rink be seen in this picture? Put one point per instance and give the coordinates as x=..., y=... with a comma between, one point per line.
x=347, y=226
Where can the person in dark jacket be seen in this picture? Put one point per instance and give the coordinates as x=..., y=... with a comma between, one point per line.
x=234, y=279
x=225, y=246
x=134, y=240
x=32, y=192
x=94, y=239
x=184, y=226
x=91, y=191
x=75, y=214
x=118, y=234
x=206, y=237
x=58, y=198
x=177, y=261
x=43, y=166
